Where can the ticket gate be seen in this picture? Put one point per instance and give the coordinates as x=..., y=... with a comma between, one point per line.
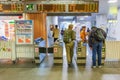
x=36, y=54
x=103, y=54
x=58, y=53
x=81, y=54
x=39, y=54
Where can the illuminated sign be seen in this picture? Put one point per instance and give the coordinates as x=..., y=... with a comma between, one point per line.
x=51, y=7
x=30, y=7
x=11, y=7
x=88, y=7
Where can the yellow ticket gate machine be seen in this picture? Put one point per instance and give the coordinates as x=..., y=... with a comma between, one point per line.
x=58, y=53
x=81, y=54
x=103, y=53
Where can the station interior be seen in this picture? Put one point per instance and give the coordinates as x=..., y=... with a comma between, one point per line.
x=28, y=50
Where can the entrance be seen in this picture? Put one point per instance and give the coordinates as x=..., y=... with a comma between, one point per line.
x=63, y=22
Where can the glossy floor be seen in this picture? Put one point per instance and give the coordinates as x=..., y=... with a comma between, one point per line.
x=48, y=71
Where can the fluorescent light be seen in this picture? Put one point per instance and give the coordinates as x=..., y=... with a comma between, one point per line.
x=112, y=1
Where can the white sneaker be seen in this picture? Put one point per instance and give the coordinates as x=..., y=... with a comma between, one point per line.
x=93, y=66
x=99, y=66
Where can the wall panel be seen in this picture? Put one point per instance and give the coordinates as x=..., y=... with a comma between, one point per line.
x=39, y=24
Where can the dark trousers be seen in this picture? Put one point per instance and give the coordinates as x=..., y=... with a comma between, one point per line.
x=55, y=39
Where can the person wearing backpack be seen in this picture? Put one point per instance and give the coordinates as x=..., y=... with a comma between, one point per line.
x=68, y=38
x=95, y=42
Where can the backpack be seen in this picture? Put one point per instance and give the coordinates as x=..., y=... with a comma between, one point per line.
x=98, y=35
x=67, y=36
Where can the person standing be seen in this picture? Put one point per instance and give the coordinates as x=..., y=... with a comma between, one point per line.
x=50, y=36
x=68, y=38
x=95, y=42
x=56, y=33
x=83, y=34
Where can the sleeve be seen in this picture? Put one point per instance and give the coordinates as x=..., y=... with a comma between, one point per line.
x=90, y=39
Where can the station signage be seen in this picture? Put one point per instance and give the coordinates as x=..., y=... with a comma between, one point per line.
x=87, y=7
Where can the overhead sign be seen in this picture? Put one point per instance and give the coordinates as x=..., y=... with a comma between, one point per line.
x=88, y=7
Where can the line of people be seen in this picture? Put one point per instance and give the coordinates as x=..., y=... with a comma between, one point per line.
x=87, y=36
x=96, y=36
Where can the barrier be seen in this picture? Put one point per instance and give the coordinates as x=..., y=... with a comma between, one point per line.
x=81, y=54
x=58, y=54
x=24, y=53
x=36, y=54
x=39, y=54
x=103, y=54
x=7, y=50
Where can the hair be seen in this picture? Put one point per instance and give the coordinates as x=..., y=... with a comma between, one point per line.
x=56, y=26
x=70, y=26
x=93, y=27
x=83, y=27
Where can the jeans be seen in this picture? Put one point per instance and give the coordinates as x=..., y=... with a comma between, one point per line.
x=96, y=49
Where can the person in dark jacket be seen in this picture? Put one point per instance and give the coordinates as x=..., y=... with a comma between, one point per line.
x=95, y=46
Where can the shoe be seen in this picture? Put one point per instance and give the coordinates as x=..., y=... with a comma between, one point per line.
x=93, y=66
x=70, y=65
x=99, y=66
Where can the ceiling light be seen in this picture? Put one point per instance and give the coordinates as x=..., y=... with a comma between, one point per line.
x=112, y=1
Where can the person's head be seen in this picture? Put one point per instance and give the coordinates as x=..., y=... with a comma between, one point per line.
x=93, y=28
x=51, y=27
x=56, y=26
x=84, y=28
x=70, y=26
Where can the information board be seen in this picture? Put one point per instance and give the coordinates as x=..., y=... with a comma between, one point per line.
x=7, y=30
x=87, y=7
x=24, y=31
x=12, y=7
x=51, y=7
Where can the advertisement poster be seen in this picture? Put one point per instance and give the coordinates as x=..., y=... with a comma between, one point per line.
x=24, y=32
x=7, y=31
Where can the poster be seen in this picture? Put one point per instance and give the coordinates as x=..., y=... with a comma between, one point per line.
x=24, y=32
x=7, y=31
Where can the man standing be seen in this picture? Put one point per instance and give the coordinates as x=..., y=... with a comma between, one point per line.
x=56, y=33
x=95, y=41
x=69, y=37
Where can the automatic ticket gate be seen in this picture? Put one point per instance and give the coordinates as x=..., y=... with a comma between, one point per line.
x=39, y=54
x=103, y=53
x=58, y=53
x=81, y=54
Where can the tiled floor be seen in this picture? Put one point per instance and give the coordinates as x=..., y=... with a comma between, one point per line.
x=48, y=71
